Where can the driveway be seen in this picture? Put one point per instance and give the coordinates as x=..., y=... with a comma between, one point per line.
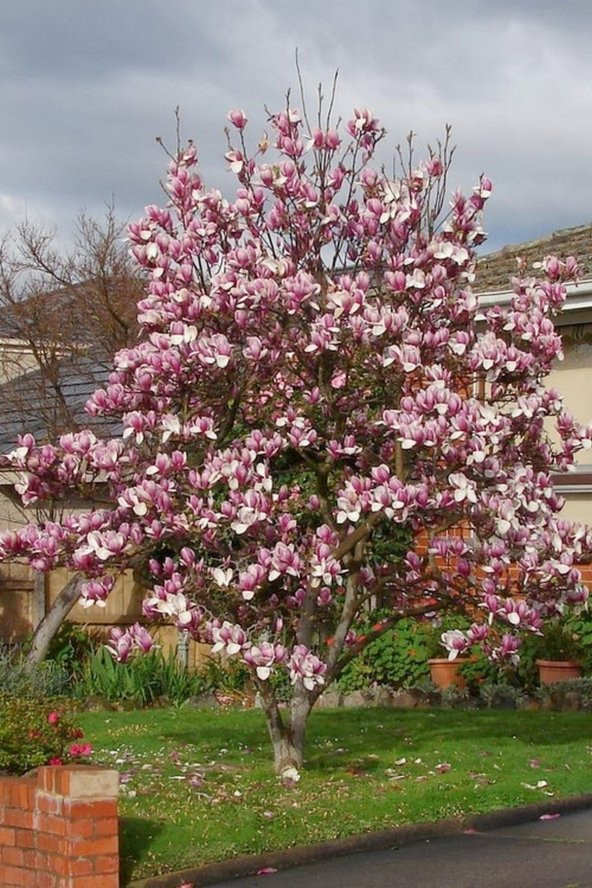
x=541, y=854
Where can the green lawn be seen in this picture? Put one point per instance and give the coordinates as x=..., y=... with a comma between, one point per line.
x=199, y=786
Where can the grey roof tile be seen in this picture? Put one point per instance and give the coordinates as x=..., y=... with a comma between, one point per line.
x=495, y=270
x=29, y=403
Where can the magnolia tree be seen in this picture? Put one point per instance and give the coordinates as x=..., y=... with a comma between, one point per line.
x=313, y=384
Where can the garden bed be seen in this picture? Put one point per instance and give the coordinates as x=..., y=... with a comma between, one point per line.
x=197, y=786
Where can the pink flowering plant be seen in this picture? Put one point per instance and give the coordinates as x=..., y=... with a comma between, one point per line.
x=314, y=377
x=35, y=731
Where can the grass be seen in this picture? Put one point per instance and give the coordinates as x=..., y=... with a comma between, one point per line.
x=197, y=786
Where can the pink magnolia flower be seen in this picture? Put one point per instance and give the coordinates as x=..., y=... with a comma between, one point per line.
x=264, y=657
x=455, y=643
x=306, y=667
x=232, y=639
x=237, y=118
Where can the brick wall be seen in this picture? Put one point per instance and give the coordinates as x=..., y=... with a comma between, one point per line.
x=59, y=828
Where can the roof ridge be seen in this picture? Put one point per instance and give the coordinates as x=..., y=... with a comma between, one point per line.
x=559, y=234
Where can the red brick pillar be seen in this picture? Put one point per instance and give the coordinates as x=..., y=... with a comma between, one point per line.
x=60, y=829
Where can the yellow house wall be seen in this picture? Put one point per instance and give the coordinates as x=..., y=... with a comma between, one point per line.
x=572, y=378
x=578, y=507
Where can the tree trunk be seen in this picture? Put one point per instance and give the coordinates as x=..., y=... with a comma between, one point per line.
x=287, y=731
x=53, y=619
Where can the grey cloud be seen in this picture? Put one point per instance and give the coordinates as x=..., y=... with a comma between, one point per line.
x=87, y=86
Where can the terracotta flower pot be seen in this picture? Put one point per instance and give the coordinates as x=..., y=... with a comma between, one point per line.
x=445, y=672
x=557, y=670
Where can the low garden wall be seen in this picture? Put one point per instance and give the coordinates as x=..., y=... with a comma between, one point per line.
x=59, y=828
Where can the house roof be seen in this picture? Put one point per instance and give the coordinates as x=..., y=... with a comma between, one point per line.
x=49, y=305
x=495, y=270
x=29, y=403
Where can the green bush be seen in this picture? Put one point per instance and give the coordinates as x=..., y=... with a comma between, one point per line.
x=563, y=694
x=227, y=675
x=37, y=731
x=18, y=679
x=501, y=696
x=72, y=645
x=398, y=658
x=140, y=682
x=280, y=681
x=479, y=670
x=455, y=698
x=569, y=638
x=580, y=627
x=558, y=641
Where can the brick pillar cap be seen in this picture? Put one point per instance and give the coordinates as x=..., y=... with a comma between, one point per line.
x=79, y=781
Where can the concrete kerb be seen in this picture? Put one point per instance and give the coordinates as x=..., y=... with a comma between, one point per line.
x=240, y=867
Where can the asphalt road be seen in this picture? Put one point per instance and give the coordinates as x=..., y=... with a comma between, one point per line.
x=541, y=854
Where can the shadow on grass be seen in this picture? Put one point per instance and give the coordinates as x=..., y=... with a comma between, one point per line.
x=136, y=835
x=380, y=731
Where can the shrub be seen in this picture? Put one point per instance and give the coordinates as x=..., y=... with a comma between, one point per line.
x=566, y=639
x=37, y=731
x=580, y=626
x=227, y=675
x=574, y=693
x=479, y=670
x=501, y=696
x=398, y=658
x=17, y=678
x=455, y=698
x=558, y=641
x=72, y=645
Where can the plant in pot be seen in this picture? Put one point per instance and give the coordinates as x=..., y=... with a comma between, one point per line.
x=446, y=671
x=560, y=653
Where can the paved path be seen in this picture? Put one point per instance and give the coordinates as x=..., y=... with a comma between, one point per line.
x=541, y=854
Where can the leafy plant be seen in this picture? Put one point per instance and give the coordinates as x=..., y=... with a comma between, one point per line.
x=580, y=626
x=559, y=642
x=478, y=670
x=72, y=645
x=38, y=731
x=573, y=693
x=226, y=675
x=398, y=658
x=18, y=679
x=501, y=696
x=358, y=674
x=454, y=698
x=140, y=681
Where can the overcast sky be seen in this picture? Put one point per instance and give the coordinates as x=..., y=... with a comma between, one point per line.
x=88, y=84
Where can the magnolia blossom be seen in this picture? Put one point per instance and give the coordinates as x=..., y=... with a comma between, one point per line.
x=229, y=638
x=455, y=642
x=264, y=657
x=507, y=650
x=96, y=591
x=307, y=667
x=123, y=642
